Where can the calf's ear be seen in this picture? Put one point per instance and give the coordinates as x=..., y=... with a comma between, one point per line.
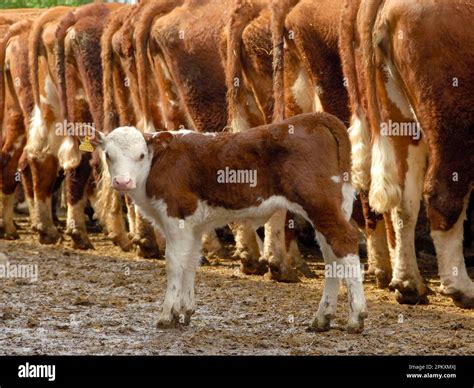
x=98, y=139
x=160, y=139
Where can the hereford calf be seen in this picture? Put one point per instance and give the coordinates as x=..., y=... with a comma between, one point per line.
x=183, y=182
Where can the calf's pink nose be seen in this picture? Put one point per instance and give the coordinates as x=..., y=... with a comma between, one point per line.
x=122, y=183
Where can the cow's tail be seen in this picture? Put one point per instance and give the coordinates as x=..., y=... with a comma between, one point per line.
x=14, y=30
x=111, y=116
x=359, y=133
x=385, y=190
x=241, y=14
x=108, y=204
x=3, y=48
x=142, y=35
x=66, y=22
x=37, y=136
x=37, y=143
x=278, y=14
x=34, y=45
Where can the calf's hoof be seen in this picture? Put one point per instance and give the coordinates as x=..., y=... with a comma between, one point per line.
x=356, y=326
x=321, y=324
x=406, y=292
x=174, y=320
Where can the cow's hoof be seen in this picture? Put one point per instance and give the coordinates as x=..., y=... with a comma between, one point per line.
x=12, y=235
x=49, y=238
x=304, y=269
x=410, y=296
x=203, y=261
x=122, y=241
x=288, y=275
x=407, y=292
x=254, y=267
x=221, y=253
x=148, y=252
x=464, y=300
x=321, y=324
x=80, y=240
x=148, y=249
x=356, y=326
x=382, y=278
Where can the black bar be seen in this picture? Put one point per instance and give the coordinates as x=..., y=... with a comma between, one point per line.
x=127, y=369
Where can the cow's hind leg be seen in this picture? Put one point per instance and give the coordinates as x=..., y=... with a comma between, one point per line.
x=44, y=173
x=9, y=229
x=377, y=244
x=76, y=182
x=446, y=212
x=144, y=237
x=10, y=155
x=211, y=245
x=247, y=248
x=407, y=281
x=281, y=264
x=9, y=183
x=27, y=181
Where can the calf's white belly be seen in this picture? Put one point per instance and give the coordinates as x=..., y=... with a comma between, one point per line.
x=208, y=217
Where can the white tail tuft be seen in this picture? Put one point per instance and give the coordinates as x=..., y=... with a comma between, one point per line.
x=68, y=154
x=348, y=197
x=361, y=153
x=385, y=192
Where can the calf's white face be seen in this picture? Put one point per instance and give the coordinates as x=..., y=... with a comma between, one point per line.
x=128, y=157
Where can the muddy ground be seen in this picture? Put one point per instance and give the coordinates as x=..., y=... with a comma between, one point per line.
x=107, y=302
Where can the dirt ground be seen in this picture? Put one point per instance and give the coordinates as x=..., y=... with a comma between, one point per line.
x=107, y=302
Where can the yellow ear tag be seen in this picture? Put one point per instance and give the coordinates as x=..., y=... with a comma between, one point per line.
x=86, y=145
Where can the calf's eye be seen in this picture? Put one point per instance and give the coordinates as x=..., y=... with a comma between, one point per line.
x=142, y=156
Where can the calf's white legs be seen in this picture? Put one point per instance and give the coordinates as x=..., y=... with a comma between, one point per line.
x=182, y=258
x=350, y=270
x=328, y=304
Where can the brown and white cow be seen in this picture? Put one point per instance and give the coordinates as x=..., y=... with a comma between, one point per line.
x=183, y=49
x=247, y=52
x=179, y=181
x=45, y=151
x=409, y=70
x=16, y=102
x=79, y=75
x=122, y=54
x=308, y=77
